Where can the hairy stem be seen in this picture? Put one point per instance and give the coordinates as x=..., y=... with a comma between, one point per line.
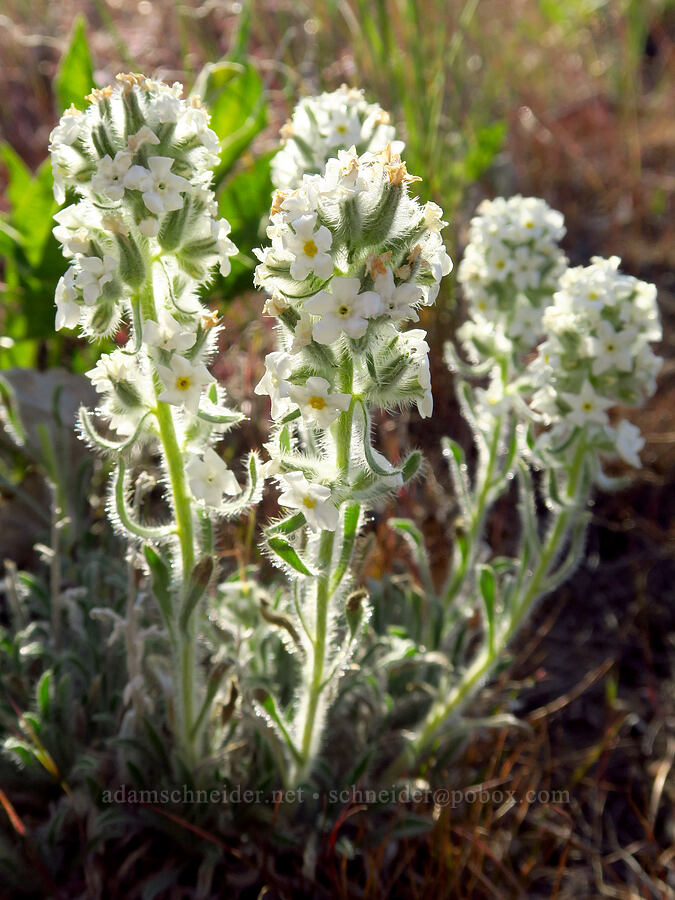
x=185, y=637
x=457, y=578
x=326, y=586
x=479, y=670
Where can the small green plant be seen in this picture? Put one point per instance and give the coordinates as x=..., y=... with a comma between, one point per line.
x=141, y=239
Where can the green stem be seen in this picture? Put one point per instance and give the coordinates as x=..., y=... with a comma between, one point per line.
x=325, y=589
x=459, y=576
x=316, y=685
x=185, y=640
x=480, y=669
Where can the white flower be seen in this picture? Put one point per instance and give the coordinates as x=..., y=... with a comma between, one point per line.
x=433, y=217
x=302, y=332
x=629, y=442
x=308, y=248
x=143, y=136
x=113, y=368
x=278, y=367
x=342, y=309
x=344, y=176
x=74, y=228
x=110, y=174
x=70, y=127
x=586, y=406
x=161, y=189
x=93, y=274
x=209, y=478
x=220, y=229
x=416, y=344
x=397, y=300
x=167, y=107
x=316, y=403
x=149, y=226
x=312, y=499
x=344, y=128
x=612, y=349
x=68, y=311
x=183, y=383
x=167, y=333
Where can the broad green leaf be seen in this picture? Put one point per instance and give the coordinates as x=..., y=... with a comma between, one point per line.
x=75, y=77
x=33, y=207
x=245, y=199
x=234, y=95
x=18, y=174
x=487, y=143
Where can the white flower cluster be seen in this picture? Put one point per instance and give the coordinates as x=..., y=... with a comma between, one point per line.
x=509, y=272
x=141, y=236
x=323, y=125
x=596, y=356
x=140, y=161
x=352, y=258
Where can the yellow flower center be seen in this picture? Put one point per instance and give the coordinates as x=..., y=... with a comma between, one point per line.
x=587, y=406
x=593, y=295
x=317, y=402
x=183, y=383
x=309, y=502
x=310, y=249
x=529, y=224
x=341, y=129
x=343, y=311
x=610, y=348
x=500, y=263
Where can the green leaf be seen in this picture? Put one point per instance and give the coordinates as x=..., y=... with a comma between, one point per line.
x=289, y=525
x=350, y=528
x=458, y=470
x=42, y=691
x=234, y=94
x=199, y=582
x=161, y=584
x=244, y=200
x=125, y=515
x=415, y=539
x=488, y=141
x=411, y=466
x=288, y=554
x=75, y=77
x=270, y=707
x=32, y=204
x=18, y=174
x=487, y=585
x=9, y=413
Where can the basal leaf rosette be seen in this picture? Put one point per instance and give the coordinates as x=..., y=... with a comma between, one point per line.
x=323, y=125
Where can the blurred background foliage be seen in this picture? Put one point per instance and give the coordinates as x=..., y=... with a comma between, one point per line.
x=544, y=97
